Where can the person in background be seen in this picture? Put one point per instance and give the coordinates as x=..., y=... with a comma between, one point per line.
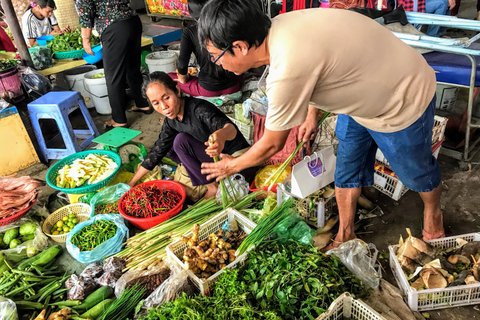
x=120, y=31
x=212, y=80
x=440, y=7
x=39, y=21
x=189, y=124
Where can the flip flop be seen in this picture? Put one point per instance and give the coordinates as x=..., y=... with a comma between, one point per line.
x=109, y=127
x=136, y=109
x=433, y=236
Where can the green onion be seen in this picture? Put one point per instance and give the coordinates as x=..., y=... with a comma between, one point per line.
x=122, y=307
x=265, y=227
x=272, y=180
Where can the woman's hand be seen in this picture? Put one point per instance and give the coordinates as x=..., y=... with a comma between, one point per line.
x=182, y=78
x=221, y=169
x=66, y=30
x=87, y=46
x=215, y=144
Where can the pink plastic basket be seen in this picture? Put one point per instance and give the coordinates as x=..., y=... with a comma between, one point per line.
x=10, y=82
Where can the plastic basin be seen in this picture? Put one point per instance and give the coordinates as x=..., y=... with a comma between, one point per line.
x=97, y=50
x=43, y=40
x=254, y=188
x=146, y=223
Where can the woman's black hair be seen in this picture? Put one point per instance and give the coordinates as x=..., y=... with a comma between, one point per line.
x=45, y=3
x=195, y=7
x=225, y=21
x=159, y=76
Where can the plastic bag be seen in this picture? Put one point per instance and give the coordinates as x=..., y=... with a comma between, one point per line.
x=257, y=103
x=170, y=288
x=79, y=288
x=112, y=271
x=27, y=248
x=240, y=115
x=106, y=249
x=237, y=188
x=361, y=259
x=148, y=277
x=92, y=271
x=269, y=170
x=154, y=174
x=35, y=84
x=41, y=57
x=293, y=227
x=108, y=195
x=8, y=309
x=56, y=201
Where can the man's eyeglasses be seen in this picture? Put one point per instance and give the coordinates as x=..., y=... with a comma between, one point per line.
x=214, y=60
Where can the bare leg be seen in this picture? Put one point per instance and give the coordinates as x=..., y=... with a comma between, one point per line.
x=347, y=206
x=211, y=190
x=432, y=215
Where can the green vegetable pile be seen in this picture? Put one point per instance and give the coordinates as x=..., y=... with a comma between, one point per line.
x=71, y=41
x=290, y=281
x=6, y=64
x=91, y=236
x=98, y=75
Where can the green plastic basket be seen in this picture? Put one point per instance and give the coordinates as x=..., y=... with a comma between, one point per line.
x=70, y=54
x=85, y=188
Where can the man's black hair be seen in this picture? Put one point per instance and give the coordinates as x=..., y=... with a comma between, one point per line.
x=224, y=21
x=46, y=3
x=195, y=7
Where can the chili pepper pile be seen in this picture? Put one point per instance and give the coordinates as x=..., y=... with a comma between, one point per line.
x=91, y=236
x=149, y=201
x=105, y=208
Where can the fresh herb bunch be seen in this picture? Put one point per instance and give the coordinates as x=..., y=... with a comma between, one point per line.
x=6, y=64
x=71, y=41
x=229, y=301
x=296, y=280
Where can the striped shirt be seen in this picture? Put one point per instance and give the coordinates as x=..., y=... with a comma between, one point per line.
x=34, y=27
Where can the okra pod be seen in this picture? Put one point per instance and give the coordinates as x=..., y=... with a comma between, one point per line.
x=28, y=305
x=25, y=273
x=56, y=286
x=19, y=289
x=67, y=303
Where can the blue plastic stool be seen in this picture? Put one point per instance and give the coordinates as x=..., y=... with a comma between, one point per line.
x=57, y=106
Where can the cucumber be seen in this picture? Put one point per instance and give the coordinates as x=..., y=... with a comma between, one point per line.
x=97, y=310
x=42, y=258
x=94, y=298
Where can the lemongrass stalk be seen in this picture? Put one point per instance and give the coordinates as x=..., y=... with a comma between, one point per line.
x=274, y=177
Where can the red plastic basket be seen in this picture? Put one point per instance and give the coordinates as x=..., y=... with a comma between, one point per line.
x=145, y=223
x=18, y=215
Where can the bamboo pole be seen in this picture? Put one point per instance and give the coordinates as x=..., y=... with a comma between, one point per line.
x=11, y=19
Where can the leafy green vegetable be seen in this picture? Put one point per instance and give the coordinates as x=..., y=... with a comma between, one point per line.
x=6, y=64
x=71, y=41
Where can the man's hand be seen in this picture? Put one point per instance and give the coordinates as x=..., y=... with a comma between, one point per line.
x=452, y=4
x=66, y=29
x=216, y=147
x=221, y=169
x=182, y=78
x=308, y=129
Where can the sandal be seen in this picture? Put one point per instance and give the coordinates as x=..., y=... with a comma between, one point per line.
x=432, y=236
x=137, y=109
x=108, y=125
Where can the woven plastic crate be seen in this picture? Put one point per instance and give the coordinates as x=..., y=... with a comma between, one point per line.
x=392, y=186
x=318, y=214
x=345, y=307
x=438, y=135
x=326, y=135
x=245, y=129
x=176, y=249
x=431, y=299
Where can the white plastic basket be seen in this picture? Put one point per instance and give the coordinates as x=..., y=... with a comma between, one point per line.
x=431, y=299
x=176, y=249
x=345, y=307
x=318, y=214
x=326, y=135
x=392, y=186
x=438, y=135
x=245, y=129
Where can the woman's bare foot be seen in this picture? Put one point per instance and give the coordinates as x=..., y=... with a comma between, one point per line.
x=114, y=124
x=211, y=190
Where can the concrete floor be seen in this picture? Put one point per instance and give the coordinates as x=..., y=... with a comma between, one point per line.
x=460, y=202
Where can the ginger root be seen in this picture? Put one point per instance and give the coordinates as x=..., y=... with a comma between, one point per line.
x=231, y=255
x=63, y=314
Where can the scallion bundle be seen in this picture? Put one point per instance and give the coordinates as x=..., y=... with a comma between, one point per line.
x=124, y=306
x=265, y=227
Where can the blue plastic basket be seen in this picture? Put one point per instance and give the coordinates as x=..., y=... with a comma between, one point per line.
x=42, y=41
x=85, y=188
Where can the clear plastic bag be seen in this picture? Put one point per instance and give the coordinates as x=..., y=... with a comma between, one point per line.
x=237, y=188
x=131, y=275
x=361, y=259
x=170, y=288
x=79, y=288
x=240, y=114
x=112, y=268
x=92, y=271
x=27, y=248
x=106, y=249
x=108, y=195
x=41, y=57
x=8, y=309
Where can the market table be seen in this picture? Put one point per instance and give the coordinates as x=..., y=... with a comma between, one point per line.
x=66, y=64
